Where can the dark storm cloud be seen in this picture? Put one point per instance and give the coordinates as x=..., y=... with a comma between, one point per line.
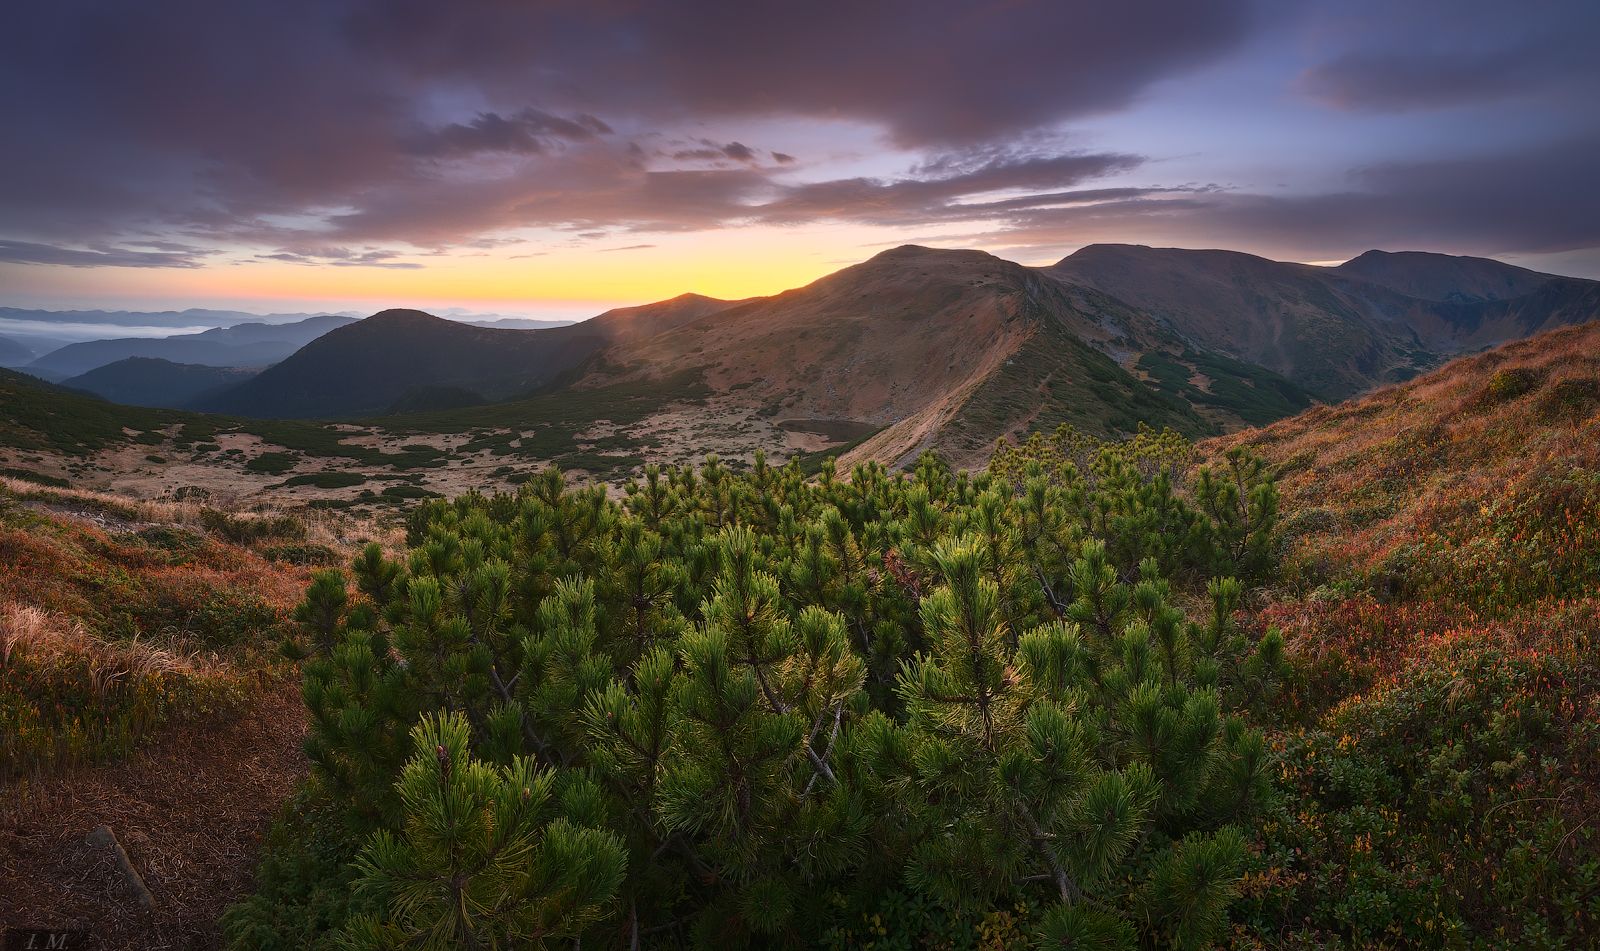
x=202, y=118
x=929, y=70
x=1434, y=54
x=1538, y=199
x=312, y=130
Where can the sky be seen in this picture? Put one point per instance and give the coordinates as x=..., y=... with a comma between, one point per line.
x=556, y=157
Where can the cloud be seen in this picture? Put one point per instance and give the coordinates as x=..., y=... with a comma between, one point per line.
x=24, y=252
x=341, y=257
x=530, y=131
x=934, y=193
x=194, y=117
x=1538, y=199
x=1438, y=54
x=1371, y=81
x=340, y=131
x=924, y=69
x=601, y=190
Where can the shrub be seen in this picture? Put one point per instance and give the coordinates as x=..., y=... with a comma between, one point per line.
x=272, y=463
x=301, y=554
x=749, y=695
x=1570, y=399
x=1449, y=807
x=245, y=529
x=1510, y=383
x=326, y=480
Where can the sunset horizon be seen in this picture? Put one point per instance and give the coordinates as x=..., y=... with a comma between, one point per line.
x=399, y=159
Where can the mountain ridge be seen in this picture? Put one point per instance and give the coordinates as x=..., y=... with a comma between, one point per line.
x=392, y=357
x=241, y=345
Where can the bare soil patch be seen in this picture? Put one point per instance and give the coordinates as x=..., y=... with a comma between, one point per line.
x=190, y=810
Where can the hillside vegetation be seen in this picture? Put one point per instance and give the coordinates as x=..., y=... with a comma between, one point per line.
x=116, y=617
x=1479, y=484
x=1097, y=695
x=1443, y=605
x=738, y=707
x=143, y=688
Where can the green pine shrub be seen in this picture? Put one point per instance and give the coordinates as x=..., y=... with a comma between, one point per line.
x=745, y=706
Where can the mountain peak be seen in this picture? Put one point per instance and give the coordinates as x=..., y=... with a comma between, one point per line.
x=398, y=316
x=1430, y=275
x=913, y=251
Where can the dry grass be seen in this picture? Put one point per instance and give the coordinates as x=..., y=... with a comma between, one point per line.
x=317, y=526
x=27, y=632
x=1481, y=472
x=140, y=688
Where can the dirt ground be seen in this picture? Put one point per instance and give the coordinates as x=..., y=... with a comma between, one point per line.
x=191, y=810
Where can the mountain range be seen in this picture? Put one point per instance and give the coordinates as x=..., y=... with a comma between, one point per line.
x=398, y=357
x=914, y=349
x=241, y=345
x=951, y=349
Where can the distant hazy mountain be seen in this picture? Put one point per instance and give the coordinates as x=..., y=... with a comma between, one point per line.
x=148, y=381
x=13, y=353
x=513, y=323
x=411, y=359
x=242, y=345
x=178, y=319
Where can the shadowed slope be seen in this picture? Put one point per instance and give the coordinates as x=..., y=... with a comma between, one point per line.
x=391, y=357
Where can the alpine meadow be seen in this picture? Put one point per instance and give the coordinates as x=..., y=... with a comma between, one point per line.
x=950, y=475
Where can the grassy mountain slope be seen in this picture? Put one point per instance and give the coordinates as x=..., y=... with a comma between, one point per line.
x=1379, y=318
x=151, y=381
x=1478, y=481
x=1436, y=746
x=1286, y=317
x=43, y=416
x=142, y=688
x=244, y=345
x=940, y=349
